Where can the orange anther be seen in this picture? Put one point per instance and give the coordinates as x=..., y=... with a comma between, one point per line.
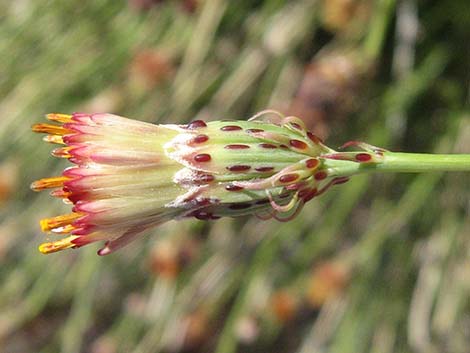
x=54, y=139
x=66, y=243
x=51, y=129
x=61, y=118
x=60, y=193
x=62, y=152
x=64, y=229
x=50, y=224
x=48, y=183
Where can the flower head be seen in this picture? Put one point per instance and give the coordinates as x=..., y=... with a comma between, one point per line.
x=130, y=176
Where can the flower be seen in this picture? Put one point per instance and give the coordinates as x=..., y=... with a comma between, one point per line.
x=130, y=176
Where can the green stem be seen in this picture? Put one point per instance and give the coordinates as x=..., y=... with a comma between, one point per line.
x=397, y=162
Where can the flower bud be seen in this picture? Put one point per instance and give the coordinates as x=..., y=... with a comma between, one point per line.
x=130, y=176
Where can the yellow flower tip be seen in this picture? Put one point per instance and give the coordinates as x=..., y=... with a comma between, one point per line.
x=62, y=152
x=49, y=183
x=51, y=129
x=60, y=193
x=61, y=118
x=60, y=224
x=66, y=229
x=66, y=243
x=54, y=139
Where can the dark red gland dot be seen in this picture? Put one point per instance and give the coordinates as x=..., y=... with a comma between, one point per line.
x=239, y=206
x=200, y=139
x=304, y=192
x=230, y=128
x=295, y=186
x=202, y=201
x=251, y=131
x=232, y=187
x=262, y=202
x=363, y=157
x=264, y=169
x=310, y=195
x=320, y=175
x=312, y=163
x=203, y=216
x=202, y=157
x=196, y=124
x=204, y=178
x=237, y=147
x=267, y=145
x=239, y=168
x=298, y=144
x=205, y=201
x=284, y=146
x=288, y=178
x=296, y=126
x=315, y=139
x=341, y=180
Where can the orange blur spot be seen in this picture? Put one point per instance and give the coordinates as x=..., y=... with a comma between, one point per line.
x=284, y=305
x=48, y=183
x=328, y=279
x=66, y=243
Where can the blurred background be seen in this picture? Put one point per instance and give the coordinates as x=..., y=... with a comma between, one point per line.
x=380, y=264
